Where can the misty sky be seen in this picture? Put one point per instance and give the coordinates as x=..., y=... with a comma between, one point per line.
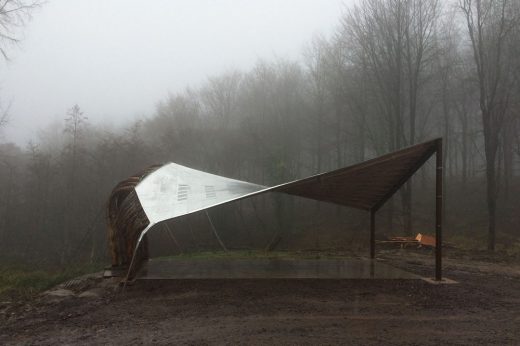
x=118, y=58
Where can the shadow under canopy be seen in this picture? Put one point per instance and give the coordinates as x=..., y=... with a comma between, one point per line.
x=172, y=191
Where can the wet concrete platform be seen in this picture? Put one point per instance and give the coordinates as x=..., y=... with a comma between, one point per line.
x=272, y=268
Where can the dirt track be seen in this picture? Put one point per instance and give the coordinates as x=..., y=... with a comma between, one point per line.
x=483, y=309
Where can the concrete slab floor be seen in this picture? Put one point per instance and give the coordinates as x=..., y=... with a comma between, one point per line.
x=270, y=268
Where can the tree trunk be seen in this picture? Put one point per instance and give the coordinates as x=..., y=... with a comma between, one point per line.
x=491, y=146
x=491, y=203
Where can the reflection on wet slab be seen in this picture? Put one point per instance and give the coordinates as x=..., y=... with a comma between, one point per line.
x=270, y=268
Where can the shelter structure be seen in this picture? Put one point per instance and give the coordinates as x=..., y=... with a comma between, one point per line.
x=160, y=193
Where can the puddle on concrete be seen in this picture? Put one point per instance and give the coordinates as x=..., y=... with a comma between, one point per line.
x=270, y=269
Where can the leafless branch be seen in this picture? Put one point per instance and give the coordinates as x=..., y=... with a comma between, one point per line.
x=14, y=14
x=4, y=116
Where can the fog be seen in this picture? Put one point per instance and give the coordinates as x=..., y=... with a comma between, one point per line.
x=265, y=92
x=117, y=59
x=123, y=117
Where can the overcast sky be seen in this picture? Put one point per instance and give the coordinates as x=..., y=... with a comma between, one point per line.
x=118, y=58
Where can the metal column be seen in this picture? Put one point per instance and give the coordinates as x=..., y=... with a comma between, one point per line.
x=372, y=233
x=438, y=211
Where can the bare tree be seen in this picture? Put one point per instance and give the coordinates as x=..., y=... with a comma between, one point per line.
x=13, y=15
x=315, y=61
x=220, y=96
x=396, y=42
x=4, y=117
x=74, y=126
x=489, y=24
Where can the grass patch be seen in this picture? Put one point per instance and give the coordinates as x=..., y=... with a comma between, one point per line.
x=248, y=254
x=21, y=282
x=474, y=247
x=468, y=242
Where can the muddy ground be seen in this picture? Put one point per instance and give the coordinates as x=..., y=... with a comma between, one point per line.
x=482, y=309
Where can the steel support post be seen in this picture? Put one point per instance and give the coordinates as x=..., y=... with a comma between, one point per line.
x=372, y=234
x=438, y=211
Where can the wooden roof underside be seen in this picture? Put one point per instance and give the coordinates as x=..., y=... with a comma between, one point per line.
x=367, y=185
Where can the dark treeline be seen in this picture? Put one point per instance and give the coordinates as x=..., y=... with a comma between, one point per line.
x=395, y=73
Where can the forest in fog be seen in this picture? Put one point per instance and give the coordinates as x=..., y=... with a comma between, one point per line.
x=393, y=74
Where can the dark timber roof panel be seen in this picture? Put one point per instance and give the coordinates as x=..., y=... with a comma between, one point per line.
x=366, y=185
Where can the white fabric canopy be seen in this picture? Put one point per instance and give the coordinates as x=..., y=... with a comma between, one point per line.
x=174, y=190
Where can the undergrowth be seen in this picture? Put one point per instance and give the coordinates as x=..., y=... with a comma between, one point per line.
x=22, y=281
x=246, y=254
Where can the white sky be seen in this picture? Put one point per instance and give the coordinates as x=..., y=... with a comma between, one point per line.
x=118, y=58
